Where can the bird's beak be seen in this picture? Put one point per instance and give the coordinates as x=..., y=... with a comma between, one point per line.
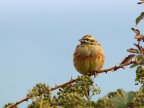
x=81, y=40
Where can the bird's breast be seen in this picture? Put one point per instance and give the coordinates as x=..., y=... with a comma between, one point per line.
x=85, y=52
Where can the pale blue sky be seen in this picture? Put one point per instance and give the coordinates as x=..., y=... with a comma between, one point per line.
x=38, y=38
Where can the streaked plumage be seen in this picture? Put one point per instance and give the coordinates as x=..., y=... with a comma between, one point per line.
x=88, y=55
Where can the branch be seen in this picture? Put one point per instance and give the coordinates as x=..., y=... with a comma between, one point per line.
x=19, y=102
x=114, y=68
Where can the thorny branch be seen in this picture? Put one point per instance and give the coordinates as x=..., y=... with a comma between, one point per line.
x=114, y=68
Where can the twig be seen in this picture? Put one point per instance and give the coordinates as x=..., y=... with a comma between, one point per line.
x=138, y=45
x=63, y=85
x=19, y=102
x=114, y=68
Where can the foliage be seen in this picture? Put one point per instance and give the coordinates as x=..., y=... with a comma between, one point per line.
x=75, y=95
x=122, y=99
x=78, y=94
x=139, y=98
x=139, y=18
x=118, y=99
x=41, y=95
x=139, y=75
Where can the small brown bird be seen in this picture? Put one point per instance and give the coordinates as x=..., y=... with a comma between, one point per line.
x=88, y=56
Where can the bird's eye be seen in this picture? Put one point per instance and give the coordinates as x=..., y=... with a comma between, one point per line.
x=92, y=40
x=87, y=39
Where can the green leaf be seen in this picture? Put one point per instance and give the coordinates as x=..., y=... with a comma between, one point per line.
x=118, y=99
x=133, y=65
x=122, y=99
x=139, y=18
x=140, y=75
x=139, y=98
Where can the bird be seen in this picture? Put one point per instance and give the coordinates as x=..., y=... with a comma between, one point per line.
x=88, y=56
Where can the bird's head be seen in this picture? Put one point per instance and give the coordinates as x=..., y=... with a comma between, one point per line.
x=88, y=39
